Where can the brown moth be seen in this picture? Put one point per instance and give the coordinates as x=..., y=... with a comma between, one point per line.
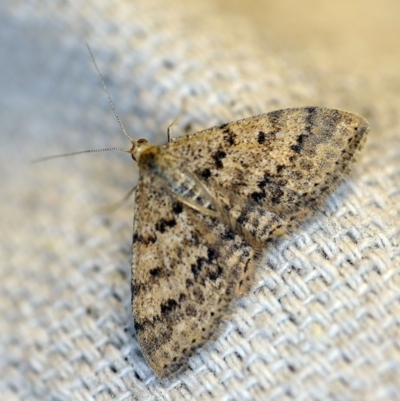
x=207, y=204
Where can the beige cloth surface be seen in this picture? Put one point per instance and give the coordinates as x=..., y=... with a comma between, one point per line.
x=323, y=320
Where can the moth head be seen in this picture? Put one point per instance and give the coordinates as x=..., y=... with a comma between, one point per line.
x=137, y=148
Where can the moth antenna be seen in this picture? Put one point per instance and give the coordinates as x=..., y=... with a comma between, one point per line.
x=42, y=159
x=108, y=95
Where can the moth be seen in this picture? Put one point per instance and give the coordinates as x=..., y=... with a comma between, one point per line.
x=206, y=206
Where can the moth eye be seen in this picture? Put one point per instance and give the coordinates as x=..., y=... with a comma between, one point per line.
x=142, y=141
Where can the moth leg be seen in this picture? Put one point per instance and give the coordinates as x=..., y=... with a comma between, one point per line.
x=115, y=206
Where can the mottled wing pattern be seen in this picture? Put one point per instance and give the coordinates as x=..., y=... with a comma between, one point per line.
x=267, y=172
x=187, y=268
x=207, y=203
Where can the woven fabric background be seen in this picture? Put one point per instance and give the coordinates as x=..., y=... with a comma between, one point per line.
x=323, y=320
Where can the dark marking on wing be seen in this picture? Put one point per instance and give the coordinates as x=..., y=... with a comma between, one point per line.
x=206, y=173
x=299, y=144
x=136, y=238
x=163, y=224
x=218, y=156
x=177, y=208
x=274, y=118
x=214, y=274
x=261, y=137
x=168, y=306
x=267, y=179
x=229, y=137
x=201, y=262
x=138, y=326
x=257, y=196
x=156, y=271
x=312, y=113
x=151, y=239
x=228, y=235
x=196, y=267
